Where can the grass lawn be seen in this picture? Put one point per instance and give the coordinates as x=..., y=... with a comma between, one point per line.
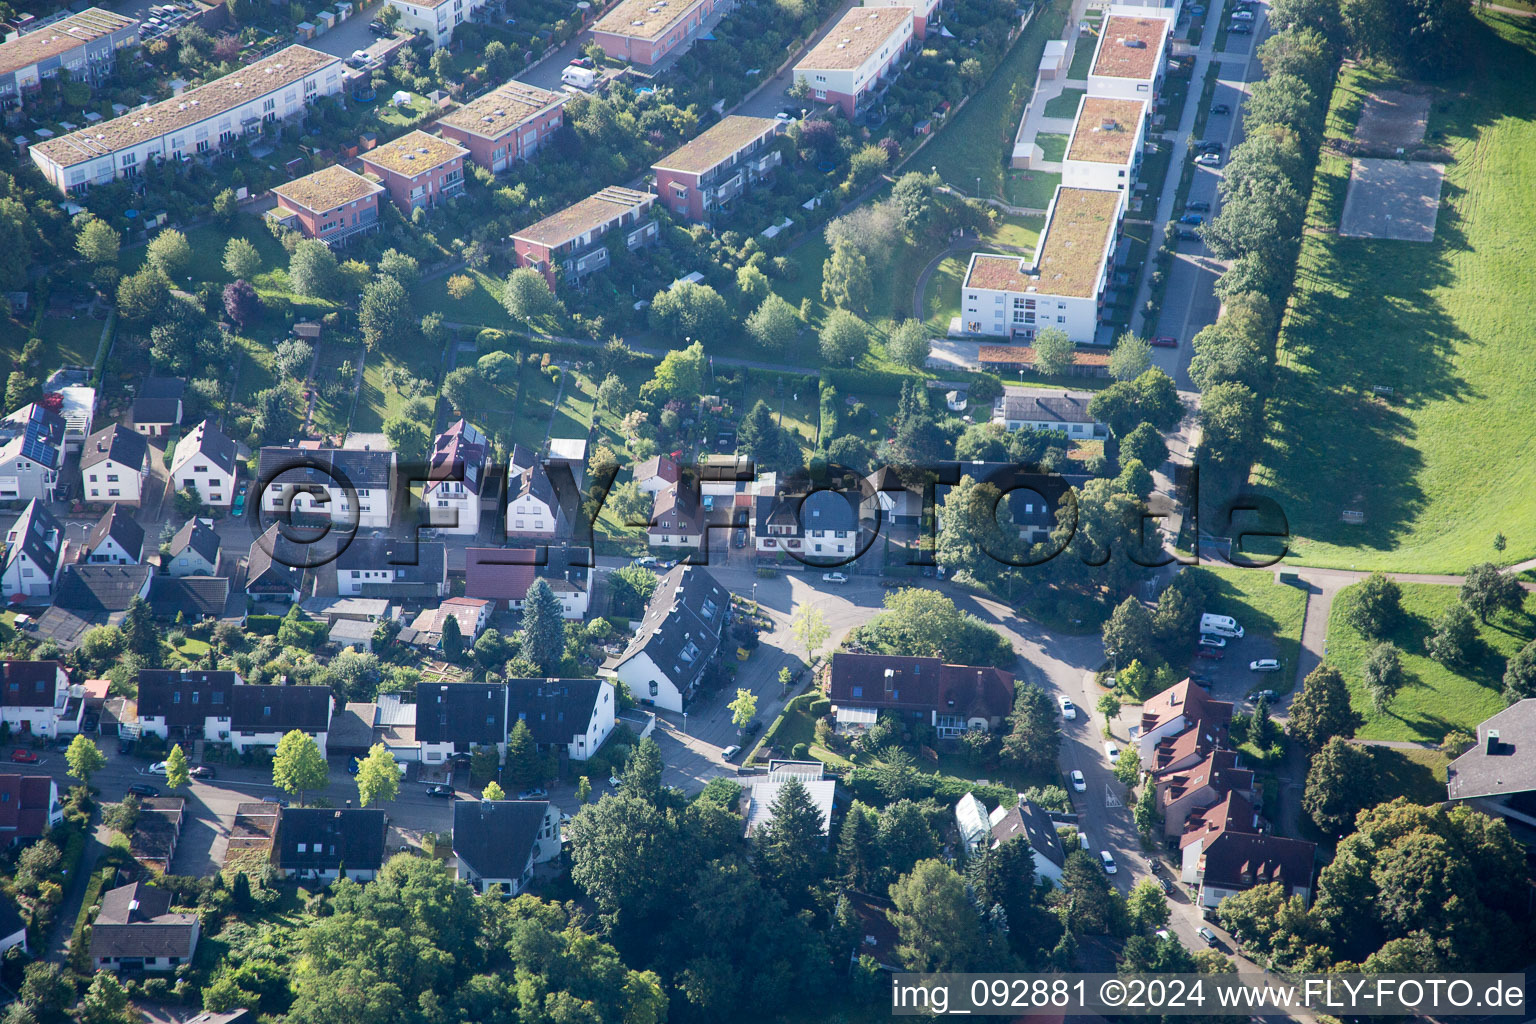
x=1444, y=465
x=941, y=303
x=1418, y=775
x=1435, y=699
x=978, y=140
x=1082, y=57
x=1065, y=103
x=1032, y=189
x=378, y=403
x=1262, y=607
x=1019, y=232
x=481, y=306
x=1053, y=146
x=64, y=341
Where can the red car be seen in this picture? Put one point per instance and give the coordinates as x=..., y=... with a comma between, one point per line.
x=1166, y=341
x=1214, y=654
x=24, y=756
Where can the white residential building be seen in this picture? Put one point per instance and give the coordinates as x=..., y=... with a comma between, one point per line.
x=31, y=455
x=358, y=485
x=575, y=715
x=542, y=498
x=1104, y=150
x=206, y=459
x=436, y=20
x=457, y=479
x=857, y=57
x=1133, y=44
x=33, y=549
x=678, y=639
x=35, y=698
x=1039, y=409
x=113, y=464
x=260, y=716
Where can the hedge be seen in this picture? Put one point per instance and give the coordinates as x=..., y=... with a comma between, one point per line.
x=263, y=625
x=947, y=789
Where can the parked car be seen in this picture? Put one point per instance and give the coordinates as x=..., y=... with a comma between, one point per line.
x=1266, y=694
x=1206, y=640
x=533, y=794
x=1187, y=235
x=1166, y=883
x=158, y=768
x=1108, y=862
x=730, y=752
x=613, y=780
x=751, y=728
x=1198, y=206
x=1242, y=15
x=1192, y=218
x=1163, y=935
x=1111, y=751
x=1240, y=28
x=378, y=28
x=834, y=577
x=1264, y=665
x=353, y=764
x=647, y=562
x=1208, y=935
x=1210, y=653
x=1165, y=341
x=125, y=746
x=1078, y=782
x=143, y=789
x=443, y=792
x=24, y=756
x=1221, y=108
x=741, y=538
x=582, y=62
x=1068, y=709
x=1201, y=678
x=1209, y=159
x=1211, y=147
x=202, y=771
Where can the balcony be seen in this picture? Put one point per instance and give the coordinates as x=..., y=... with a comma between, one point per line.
x=641, y=236
x=587, y=263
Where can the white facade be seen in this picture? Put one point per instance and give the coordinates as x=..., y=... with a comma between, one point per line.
x=585, y=745
x=42, y=719
x=1120, y=39
x=24, y=577
x=189, y=465
x=648, y=683
x=23, y=478
x=436, y=21
x=112, y=481
x=215, y=727
x=835, y=83
x=1108, y=174
x=574, y=600
x=350, y=582
x=452, y=507
x=374, y=505
x=243, y=741
x=526, y=514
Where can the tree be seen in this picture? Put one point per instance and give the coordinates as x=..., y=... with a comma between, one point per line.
x=140, y=633
x=767, y=443
x=1151, y=398
x=169, y=252
x=845, y=279
x=630, y=589
x=844, y=337
x=46, y=989
x=1341, y=782
x=84, y=758
x=1109, y=707
x=1228, y=420
x=400, y=266
x=523, y=761
x=493, y=791
x=543, y=641
x=1147, y=906
x=810, y=628
x=142, y=295
x=1145, y=445
x=527, y=297
x=774, y=324
x=1132, y=357
x=1034, y=731
x=106, y=1002
x=680, y=374
x=791, y=846
x=378, y=777
x=1485, y=590
x=452, y=641
x=970, y=538
x=1127, y=767
x=1383, y=674
x=612, y=394
x=583, y=790
x=292, y=358
x=226, y=206
x=313, y=270
x=912, y=197
x=1053, y=352
x=689, y=310
x=743, y=709
x=241, y=303
x=908, y=344
x=1145, y=811
x=1520, y=674
x=1128, y=633
x=98, y=242
x=409, y=438
x=1455, y=639
x=298, y=766
x=1089, y=903
x=385, y=311
x=642, y=772
x=241, y=260
x=1377, y=606
x=937, y=924
x=177, y=771
x=919, y=622
x=1322, y=710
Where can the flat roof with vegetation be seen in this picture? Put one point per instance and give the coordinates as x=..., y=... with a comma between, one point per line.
x=1105, y=132
x=328, y=188
x=1129, y=46
x=414, y=153
x=853, y=39
x=1070, y=254
x=60, y=37
x=588, y=215
x=501, y=110
x=645, y=19
x=717, y=144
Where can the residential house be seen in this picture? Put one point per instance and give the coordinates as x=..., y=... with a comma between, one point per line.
x=198, y=123
x=573, y=715
x=77, y=404
x=156, y=831
x=191, y=598
x=1061, y=286
x=821, y=527
x=574, y=242
x=116, y=539
x=455, y=718
x=498, y=842
x=360, y=725
x=435, y=19
x=206, y=459
x=157, y=406
x=900, y=502
x=677, y=520
x=1023, y=820
x=419, y=170
x=456, y=481
x=101, y=592
x=1497, y=775
x=507, y=124
x=759, y=798
x=505, y=574
x=136, y=930
x=36, y=699
x=1104, y=149
x=925, y=13
x=1185, y=791
x=1180, y=707
x=260, y=716
x=274, y=567
x=13, y=930
x=112, y=466
x=656, y=474
x=471, y=613
x=647, y=32
x=186, y=704
x=31, y=454
x=82, y=47
x=194, y=549
x=333, y=205
x=387, y=567
x=858, y=57
x=1132, y=48
x=569, y=452
x=33, y=546
x=29, y=806
x=678, y=639
x=1034, y=409
x=878, y=938
x=543, y=502
x=352, y=487
x=954, y=699
x=320, y=844
x=719, y=164
x=1225, y=851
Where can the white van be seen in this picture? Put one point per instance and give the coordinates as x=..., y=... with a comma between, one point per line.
x=581, y=78
x=1220, y=625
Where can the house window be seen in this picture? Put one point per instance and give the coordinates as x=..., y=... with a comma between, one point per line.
x=858, y=691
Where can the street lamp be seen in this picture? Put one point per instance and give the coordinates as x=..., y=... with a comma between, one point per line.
x=685, y=723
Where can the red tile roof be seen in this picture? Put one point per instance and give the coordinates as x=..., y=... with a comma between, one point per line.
x=25, y=803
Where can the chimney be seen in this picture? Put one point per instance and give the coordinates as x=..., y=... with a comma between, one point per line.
x=1493, y=742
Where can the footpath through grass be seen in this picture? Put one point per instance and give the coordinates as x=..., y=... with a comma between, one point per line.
x=1442, y=465
x=1436, y=699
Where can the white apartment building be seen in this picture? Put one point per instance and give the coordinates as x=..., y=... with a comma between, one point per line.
x=436, y=20
x=1104, y=150
x=1128, y=63
x=855, y=57
x=1062, y=286
x=358, y=484
x=30, y=459
x=199, y=122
